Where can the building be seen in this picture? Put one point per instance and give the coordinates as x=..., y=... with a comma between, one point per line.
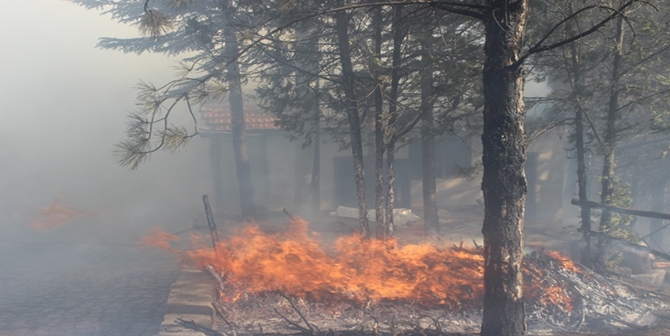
x=281, y=170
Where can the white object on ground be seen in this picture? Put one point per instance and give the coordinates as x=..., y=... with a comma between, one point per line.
x=401, y=216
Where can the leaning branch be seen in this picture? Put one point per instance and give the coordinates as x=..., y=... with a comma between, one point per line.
x=633, y=245
x=562, y=22
x=642, y=213
x=632, y=212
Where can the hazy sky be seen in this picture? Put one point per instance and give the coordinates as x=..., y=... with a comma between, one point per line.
x=64, y=105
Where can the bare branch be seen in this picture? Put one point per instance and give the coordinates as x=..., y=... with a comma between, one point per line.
x=311, y=330
x=457, y=8
x=540, y=48
x=190, y=324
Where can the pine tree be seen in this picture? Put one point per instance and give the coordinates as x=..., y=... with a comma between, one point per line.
x=207, y=34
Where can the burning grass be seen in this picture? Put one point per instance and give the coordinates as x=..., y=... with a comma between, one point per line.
x=390, y=285
x=56, y=215
x=294, y=263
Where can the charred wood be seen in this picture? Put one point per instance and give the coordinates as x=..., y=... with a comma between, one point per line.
x=213, y=231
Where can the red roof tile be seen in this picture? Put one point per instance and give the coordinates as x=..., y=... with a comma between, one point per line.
x=217, y=118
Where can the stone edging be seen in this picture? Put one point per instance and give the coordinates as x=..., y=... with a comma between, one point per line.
x=190, y=298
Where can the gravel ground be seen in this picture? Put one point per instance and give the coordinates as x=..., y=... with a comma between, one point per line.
x=78, y=289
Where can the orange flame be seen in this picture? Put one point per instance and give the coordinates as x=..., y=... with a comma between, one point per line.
x=159, y=238
x=295, y=263
x=555, y=295
x=56, y=215
x=550, y=291
x=564, y=261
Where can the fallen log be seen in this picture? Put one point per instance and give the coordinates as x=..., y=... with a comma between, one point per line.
x=634, y=246
x=641, y=213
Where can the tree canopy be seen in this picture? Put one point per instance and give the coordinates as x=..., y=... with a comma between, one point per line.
x=348, y=64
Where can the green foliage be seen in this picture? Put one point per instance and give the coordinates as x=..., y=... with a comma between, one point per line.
x=155, y=23
x=620, y=225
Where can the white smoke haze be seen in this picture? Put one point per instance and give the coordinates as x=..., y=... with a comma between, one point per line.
x=64, y=105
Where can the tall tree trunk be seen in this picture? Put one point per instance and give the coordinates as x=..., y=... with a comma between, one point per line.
x=348, y=83
x=308, y=85
x=586, y=258
x=607, y=177
x=504, y=181
x=390, y=193
x=237, y=121
x=430, y=215
x=609, y=161
x=215, y=165
x=315, y=182
x=399, y=32
x=379, y=134
x=576, y=70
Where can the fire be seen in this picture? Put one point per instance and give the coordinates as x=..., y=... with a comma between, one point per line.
x=56, y=215
x=564, y=261
x=159, y=238
x=356, y=270
x=295, y=263
x=556, y=296
x=549, y=291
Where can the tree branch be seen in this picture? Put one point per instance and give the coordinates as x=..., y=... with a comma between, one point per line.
x=452, y=7
x=540, y=48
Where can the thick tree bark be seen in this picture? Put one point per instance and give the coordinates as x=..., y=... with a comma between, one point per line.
x=341, y=26
x=430, y=216
x=379, y=134
x=504, y=182
x=237, y=121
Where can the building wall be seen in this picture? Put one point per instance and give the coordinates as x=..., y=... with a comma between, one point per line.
x=544, y=173
x=281, y=171
x=281, y=178
x=330, y=184
x=452, y=190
